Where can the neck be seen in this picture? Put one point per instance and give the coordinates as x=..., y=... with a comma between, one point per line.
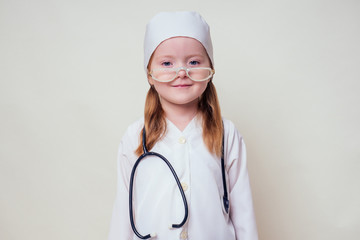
x=180, y=114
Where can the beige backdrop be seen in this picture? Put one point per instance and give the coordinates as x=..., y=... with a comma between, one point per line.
x=71, y=80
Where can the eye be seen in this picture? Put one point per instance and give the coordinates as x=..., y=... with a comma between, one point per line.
x=166, y=64
x=193, y=63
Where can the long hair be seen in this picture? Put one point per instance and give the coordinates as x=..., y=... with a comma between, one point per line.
x=208, y=107
x=154, y=120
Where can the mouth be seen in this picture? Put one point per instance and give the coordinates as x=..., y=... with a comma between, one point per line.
x=182, y=85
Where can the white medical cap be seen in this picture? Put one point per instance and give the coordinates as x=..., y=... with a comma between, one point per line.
x=166, y=25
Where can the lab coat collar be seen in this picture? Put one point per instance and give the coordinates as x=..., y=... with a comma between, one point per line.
x=194, y=124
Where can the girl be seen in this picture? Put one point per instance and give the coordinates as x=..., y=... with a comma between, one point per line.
x=186, y=187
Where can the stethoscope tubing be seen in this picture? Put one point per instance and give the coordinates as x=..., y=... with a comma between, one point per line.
x=226, y=203
x=146, y=154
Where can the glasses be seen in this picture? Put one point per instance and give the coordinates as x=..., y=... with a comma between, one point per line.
x=197, y=74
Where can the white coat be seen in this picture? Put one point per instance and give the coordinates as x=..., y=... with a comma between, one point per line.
x=157, y=201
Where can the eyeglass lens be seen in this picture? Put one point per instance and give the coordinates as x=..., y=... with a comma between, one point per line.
x=167, y=74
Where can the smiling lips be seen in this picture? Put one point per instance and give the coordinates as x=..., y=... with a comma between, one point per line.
x=182, y=85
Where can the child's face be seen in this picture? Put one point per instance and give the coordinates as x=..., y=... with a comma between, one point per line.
x=179, y=52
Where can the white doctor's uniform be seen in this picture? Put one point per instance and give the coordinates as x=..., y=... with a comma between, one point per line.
x=157, y=202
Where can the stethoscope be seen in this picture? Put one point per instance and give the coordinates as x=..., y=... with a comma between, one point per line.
x=146, y=154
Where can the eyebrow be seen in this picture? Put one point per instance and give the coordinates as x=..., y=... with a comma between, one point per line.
x=165, y=56
x=189, y=56
x=196, y=55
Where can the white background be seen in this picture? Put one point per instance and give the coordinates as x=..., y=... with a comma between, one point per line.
x=72, y=80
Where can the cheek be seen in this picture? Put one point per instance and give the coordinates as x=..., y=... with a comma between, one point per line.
x=203, y=87
x=159, y=86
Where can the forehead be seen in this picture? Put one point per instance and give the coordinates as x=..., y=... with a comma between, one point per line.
x=180, y=46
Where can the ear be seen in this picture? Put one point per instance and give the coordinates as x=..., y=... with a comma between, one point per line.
x=150, y=80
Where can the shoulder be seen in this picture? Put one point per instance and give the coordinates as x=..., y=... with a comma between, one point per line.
x=131, y=137
x=135, y=127
x=230, y=130
x=234, y=143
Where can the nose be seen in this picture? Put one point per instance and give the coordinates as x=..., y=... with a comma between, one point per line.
x=182, y=73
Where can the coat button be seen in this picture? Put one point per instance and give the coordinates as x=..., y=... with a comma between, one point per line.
x=182, y=140
x=184, y=186
x=183, y=235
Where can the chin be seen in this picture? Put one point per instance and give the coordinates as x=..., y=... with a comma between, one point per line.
x=186, y=101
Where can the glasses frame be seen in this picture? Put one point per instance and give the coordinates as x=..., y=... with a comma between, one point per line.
x=177, y=70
